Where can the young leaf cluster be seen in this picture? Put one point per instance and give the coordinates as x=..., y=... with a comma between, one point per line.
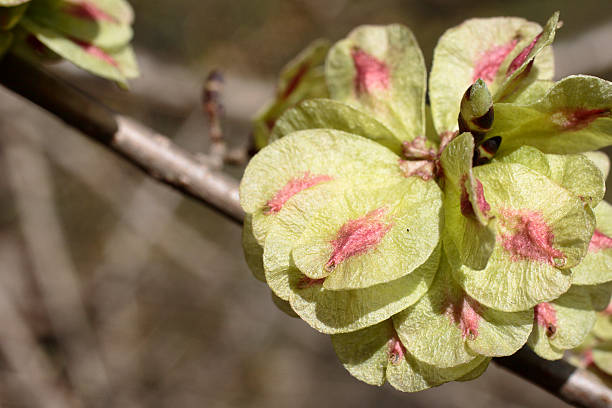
x=93, y=34
x=426, y=239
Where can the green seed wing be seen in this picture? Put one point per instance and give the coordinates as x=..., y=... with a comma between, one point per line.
x=10, y=16
x=319, y=307
x=361, y=308
x=576, y=173
x=309, y=159
x=285, y=230
x=579, y=175
x=402, y=220
x=596, y=267
x=562, y=324
x=427, y=328
x=541, y=228
x=121, y=10
x=600, y=294
x=380, y=70
x=477, y=48
x=331, y=114
x=529, y=157
x=601, y=160
x=519, y=72
x=90, y=23
x=501, y=333
x=602, y=357
x=539, y=343
x=283, y=305
x=447, y=328
x=573, y=117
x=11, y=3
x=469, y=238
x=319, y=152
x=576, y=317
x=529, y=92
x=253, y=252
x=476, y=372
x=412, y=375
x=603, y=326
x=302, y=78
x=366, y=354
x=114, y=65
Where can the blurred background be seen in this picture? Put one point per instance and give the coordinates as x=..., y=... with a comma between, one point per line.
x=117, y=291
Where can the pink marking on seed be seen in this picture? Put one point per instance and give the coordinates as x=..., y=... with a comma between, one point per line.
x=599, y=241
x=396, y=350
x=358, y=236
x=522, y=56
x=270, y=123
x=587, y=358
x=608, y=309
x=88, y=11
x=488, y=63
x=576, y=119
x=529, y=237
x=481, y=201
x=294, y=186
x=306, y=282
x=467, y=209
x=466, y=314
x=372, y=74
x=546, y=316
x=95, y=51
x=465, y=204
x=295, y=80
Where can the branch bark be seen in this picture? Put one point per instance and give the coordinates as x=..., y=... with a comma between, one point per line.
x=152, y=152
x=163, y=160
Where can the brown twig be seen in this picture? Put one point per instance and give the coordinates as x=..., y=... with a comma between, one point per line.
x=219, y=153
x=150, y=151
x=170, y=164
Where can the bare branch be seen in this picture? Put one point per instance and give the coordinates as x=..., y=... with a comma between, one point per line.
x=152, y=152
x=170, y=164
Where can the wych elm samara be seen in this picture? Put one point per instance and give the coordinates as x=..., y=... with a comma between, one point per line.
x=428, y=237
x=94, y=35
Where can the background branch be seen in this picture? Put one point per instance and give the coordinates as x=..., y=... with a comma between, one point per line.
x=152, y=152
x=170, y=164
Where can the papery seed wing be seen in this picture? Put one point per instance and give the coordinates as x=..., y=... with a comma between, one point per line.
x=82, y=20
x=98, y=61
x=380, y=70
x=477, y=48
x=302, y=78
x=391, y=231
x=542, y=230
x=469, y=233
x=331, y=114
x=596, y=267
x=573, y=117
